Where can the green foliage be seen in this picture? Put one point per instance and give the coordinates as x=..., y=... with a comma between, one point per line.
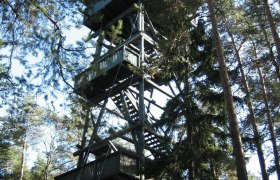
x=37, y=29
x=1, y=69
x=9, y=151
x=37, y=171
x=29, y=122
x=1, y=43
x=115, y=31
x=197, y=115
x=136, y=6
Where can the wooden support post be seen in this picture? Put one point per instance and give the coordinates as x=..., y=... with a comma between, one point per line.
x=140, y=148
x=98, y=47
x=128, y=116
x=94, y=133
x=83, y=141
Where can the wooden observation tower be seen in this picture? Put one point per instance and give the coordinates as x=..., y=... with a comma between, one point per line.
x=126, y=45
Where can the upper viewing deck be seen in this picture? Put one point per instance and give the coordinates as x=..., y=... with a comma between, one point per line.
x=101, y=13
x=119, y=67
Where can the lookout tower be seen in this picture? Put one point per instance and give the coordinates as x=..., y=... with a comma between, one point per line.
x=119, y=73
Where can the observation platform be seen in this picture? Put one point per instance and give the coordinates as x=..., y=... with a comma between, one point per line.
x=120, y=165
x=100, y=15
x=111, y=72
x=114, y=71
x=116, y=166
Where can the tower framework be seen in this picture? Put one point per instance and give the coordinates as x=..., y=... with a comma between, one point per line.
x=126, y=46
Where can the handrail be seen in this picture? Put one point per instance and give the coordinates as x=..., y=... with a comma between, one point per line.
x=124, y=44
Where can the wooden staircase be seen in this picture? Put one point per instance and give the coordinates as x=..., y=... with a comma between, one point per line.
x=128, y=106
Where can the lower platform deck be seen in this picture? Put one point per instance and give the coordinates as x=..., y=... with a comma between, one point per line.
x=120, y=165
x=115, y=166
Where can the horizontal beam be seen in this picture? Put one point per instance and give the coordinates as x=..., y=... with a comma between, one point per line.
x=115, y=113
x=146, y=98
x=157, y=87
x=133, y=38
x=113, y=136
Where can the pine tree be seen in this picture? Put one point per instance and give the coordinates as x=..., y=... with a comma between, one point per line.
x=236, y=139
x=252, y=118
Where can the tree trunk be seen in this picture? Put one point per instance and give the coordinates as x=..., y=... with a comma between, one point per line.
x=233, y=124
x=46, y=170
x=268, y=116
x=271, y=54
x=268, y=43
x=189, y=140
x=272, y=28
x=213, y=171
x=253, y=121
x=23, y=157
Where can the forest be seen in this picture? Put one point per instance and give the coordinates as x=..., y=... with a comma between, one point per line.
x=221, y=56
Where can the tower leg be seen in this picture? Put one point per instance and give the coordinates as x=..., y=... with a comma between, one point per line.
x=83, y=141
x=141, y=97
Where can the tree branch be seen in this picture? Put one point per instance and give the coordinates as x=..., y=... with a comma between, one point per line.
x=47, y=16
x=13, y=9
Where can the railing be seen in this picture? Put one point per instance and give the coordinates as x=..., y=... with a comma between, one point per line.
x=116, y=164
x=105, y=63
